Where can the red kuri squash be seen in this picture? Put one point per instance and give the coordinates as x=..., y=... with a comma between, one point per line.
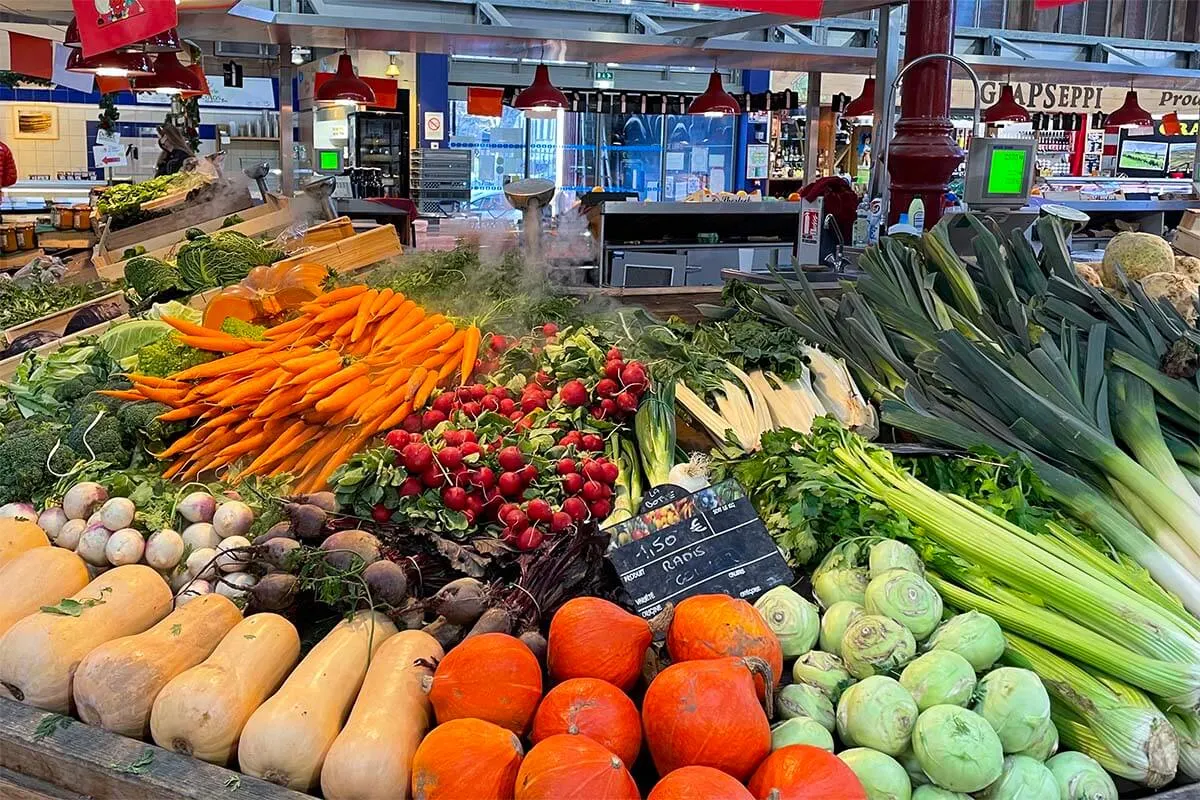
x=595, y=709
x=566, y=767
x=493, y=677
x=803, y=772
x=593, y=638
x=719, y=626
x=466, y=759
x=699, y=783
x=707, y=713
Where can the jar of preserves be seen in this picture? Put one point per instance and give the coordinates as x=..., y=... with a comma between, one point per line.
x=82, y=217
x=26, y=236
x=8, y=239
x=64, y=217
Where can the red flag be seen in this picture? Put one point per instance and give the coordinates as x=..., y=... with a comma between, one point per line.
x=31, y=55
x=485, y=101
x=801, y=9
x=1042, y=5
x=108, y=24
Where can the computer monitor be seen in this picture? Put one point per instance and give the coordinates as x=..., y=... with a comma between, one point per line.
x=1000, y=172
x=329, y=161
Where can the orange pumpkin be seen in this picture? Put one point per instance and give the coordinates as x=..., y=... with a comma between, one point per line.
x=265, y=293
x=466, y=759
x=593, y=638
x=699, y=783
x=493, y=677
x=566, y=767
x=720, y=626
x=803, y=772
x=591, y=708
x=707, y=713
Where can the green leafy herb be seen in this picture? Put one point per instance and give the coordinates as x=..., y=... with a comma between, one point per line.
x=176, y=629
x=234, y=783
x=73, y=608
x=49, y=724
x=138, y=766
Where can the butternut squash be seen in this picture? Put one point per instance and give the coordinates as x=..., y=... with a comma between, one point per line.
x=17, y=536
x=38, y=577
x=39, y=654
x=286, y=739
x=372, y=757
x=115, y=684
x=201, y=711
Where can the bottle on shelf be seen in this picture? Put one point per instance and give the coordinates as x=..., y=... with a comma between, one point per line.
x=861, y=225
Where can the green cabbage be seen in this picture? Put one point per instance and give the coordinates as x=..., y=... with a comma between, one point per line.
x=877, y=712
x=957, y=748
x=149, y=276
x=1015, y=703
x=881, y=776
x=126, y=338
x=939, y=677
x=1022, y=777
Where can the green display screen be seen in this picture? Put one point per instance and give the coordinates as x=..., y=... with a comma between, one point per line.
x=1006, y=173
x=329, y=160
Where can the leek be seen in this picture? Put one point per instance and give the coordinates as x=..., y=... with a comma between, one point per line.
x=1137, y=425
x=654, y=426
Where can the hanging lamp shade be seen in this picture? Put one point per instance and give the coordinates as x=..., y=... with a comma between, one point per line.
x=71, y=38
x=1130, y=114
x=111, y=65
x=541, y=94
x=169, y=77
x=166, y=42
x=1006, y=109
x=346, y=86
x=1171, y=125
x=864, y=104
x=715, y=102
x=197, y=69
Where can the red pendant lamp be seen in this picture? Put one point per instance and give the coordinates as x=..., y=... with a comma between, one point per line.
x=864, y=104
x=542, y=94
x=166, y=42
x=111, y=65
x=1130, y=114
x=169, y=77
x=1006, y=109
x=715, y=102
x=345, y=86
x=71, y=38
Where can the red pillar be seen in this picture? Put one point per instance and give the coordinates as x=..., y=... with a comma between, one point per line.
x=922, y=155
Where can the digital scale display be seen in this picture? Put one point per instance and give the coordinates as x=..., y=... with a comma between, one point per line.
x=1006, y=172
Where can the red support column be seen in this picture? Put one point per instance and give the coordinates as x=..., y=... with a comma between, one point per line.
x=923, y=154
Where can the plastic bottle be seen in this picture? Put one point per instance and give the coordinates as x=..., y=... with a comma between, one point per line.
x=874, y=215
x=861, y=225
x=916, y=214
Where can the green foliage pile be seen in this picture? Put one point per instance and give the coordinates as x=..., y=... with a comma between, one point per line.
x=206, y=261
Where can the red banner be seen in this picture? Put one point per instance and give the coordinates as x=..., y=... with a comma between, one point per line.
x=31, y=55
x=108, y=24
x=1042, y=5
x=485, y=101
x=801, y=9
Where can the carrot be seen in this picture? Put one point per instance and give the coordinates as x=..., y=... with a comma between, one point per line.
x=339, y=458
x=381, y=300
x=278, y=400
x=455, y=343
x=299, y=363
x=340, y=311
x=377, y=406
x=336, y=296
x=157, y=383
x=284, y=445
x=229, y=417
x=396, y=301
x=122, y=394
x=316, y=372
x=403, y=317
x=447, y=370
x=417, y=331
x=442, y=333
x=322, y=449
x=354, y=408
x=414, y=383
x=291, y=326
x=292, y=344
x=217, y=368
x=214, y=386
x=167, y=396
x=470, y=351
x=365, y=314
x=398, y=378
x=436, y=359
x=397, y=416
x=338, y=399
x=340, y=378
x=170, y=471
x=246, y=390
x=191, y=328
x=426, y=389
x=182, y=413
x=216, y=344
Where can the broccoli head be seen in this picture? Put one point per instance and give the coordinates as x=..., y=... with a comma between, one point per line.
x=96, y=434
x=78, y=388
x=168, y=356
x=139, y=424
x=24, y=452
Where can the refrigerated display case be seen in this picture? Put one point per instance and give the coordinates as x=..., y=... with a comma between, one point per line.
x=380, y=140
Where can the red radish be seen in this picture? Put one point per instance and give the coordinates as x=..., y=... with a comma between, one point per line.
x=530, y=539
x=499, y=392
x=611, y=472
x=573, y=393
x=396, y=439
x=593, y=470
x=470, y=448
x=612, y=369
x=453, y=438
x=549, y=329
x=607, y=387
x=576, y=507
x=412, y=423
x=474, y=504
x=608, y=406
x=472, y=409
x=489, y=403
x=530, y=403
x=633, y=375
x=627, y=402
x=598, y=413
x=454, y=498
x=380, y=513
x=411, y=487
x=498, y=342
x=469, y=436
x=573, y=483
x=601, y=509
x=510, y=484
x=432, y=418
x=560, y=522
x=528, y=473
x=444, y=402
x=510, y=536
x=593, y=442
x=415, y=437
x=517, y=415
x=572, y=438
x=539, y=510
x=614, y=354
x=485, y=477
x=450, y=457
x=478, y=390
x=510, y=459
x=506, y=511
x=566, y=466
x=417, y=456
x=507, y=406
x=432, y=477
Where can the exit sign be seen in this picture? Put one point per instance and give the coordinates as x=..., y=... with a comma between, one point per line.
x=605, y=76
x=603, y=79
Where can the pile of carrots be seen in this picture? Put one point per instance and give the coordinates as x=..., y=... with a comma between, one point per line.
x=354, y=362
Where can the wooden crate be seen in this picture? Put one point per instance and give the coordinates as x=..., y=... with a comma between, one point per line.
x=79, y=761
x=67, y=240
x=1187, y=235
x=57, y=322
x=214, y=203
x=355, y=253
x=14, y=261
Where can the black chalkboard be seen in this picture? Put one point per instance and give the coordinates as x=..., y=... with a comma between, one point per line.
x=709, y=542
x=659, y=496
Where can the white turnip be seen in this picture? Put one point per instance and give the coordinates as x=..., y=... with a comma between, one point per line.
x=124, y=547
x=194, y=590
x=236, y=585
x=82, y=499
x=177, y=579
x=197, y=507
x=52, y=520
x=69, y=533
x=117, y=513
x=19, y=511
x=164, y=549
x=199, y=535
x=91, y=545
x=229, y=561
x=233, y=519
x=201, y=563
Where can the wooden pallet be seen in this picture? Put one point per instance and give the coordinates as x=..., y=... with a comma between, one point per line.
x=79, y=761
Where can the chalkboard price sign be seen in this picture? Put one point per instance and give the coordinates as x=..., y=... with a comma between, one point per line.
x=709, y=542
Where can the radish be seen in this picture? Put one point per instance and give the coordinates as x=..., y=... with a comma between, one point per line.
x=69, y=533
x=233, y=519
x=573, y=483
x=539, y=510
x=232, y=561
x=19, y=511
x=510, y=459
x=530, y=539
x=164, y=549
x=510, y=484
x=573, y=393
x=117, y=513
x=194, y=590
x=576, y=507
x=91, y=545
x=52, y=520
x=197, y=507
x=177, y=580
x=236, y=585
x=416, y=457
x=633, y=376
x=560, y=522
x=565, y=466
x=199, y=535
x=454, y=498
x=83, y=498
x=125, y=546
x=201, y=564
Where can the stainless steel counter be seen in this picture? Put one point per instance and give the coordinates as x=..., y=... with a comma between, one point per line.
x=1126, y=206
x=613, y=208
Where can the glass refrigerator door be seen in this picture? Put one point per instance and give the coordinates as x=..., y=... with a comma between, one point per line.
x=699, y=154
x=497, y=147
x=631, y=154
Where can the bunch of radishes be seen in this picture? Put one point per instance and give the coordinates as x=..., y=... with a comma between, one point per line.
x=101, y=530
x=586, y=489
x=615, y=396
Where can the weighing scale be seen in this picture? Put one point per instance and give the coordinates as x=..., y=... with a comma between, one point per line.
x=530, y=196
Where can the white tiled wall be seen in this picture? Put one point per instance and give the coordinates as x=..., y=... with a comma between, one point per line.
x=67, y=153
